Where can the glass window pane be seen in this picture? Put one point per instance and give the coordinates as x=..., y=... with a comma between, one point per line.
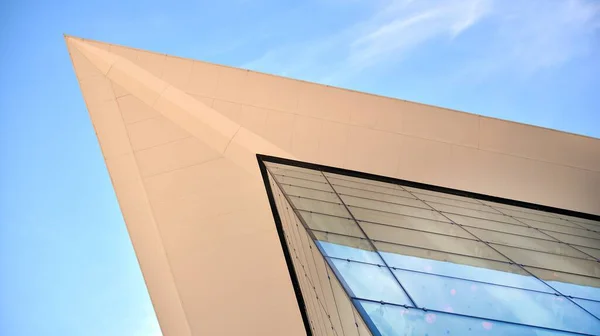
x=302, y=182
x=277, y=167
x=354, y=202
x=419, y=224
x=535, y=216
x=430, y=241
x=579, y=219
x=496, y=302
x=310, y=193
x=588, y=241
x=333, y=224
x=458, y=203
x=484, y=270
x=343, y=247
x=570, y=284
x=497, y=226
x=301, y=175
x=393, y=321
x=344, y=306
x=590, y=251
x=591, y=227
x=473, y=213
x=500, y=206
x=558, y=228
x=363, y=181
x=591, y=306
x=440, y=194
x=526, y=242
x=370, y=282
x=307, y=204
x=551, y=261
x=381, y=197
x=362, y=186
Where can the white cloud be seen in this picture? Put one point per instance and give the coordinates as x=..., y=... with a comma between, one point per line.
x=523, y=36
x=403, y=26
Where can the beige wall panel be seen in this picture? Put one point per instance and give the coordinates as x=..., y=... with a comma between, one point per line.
x=127, y=53
x=425, y=161
x=83, y=67
x=231, y=110
x=100, y=58
x=272, y=92
x=98, y=90
x=373, y=151
x=465, y=171
x=378, y=112
x=204, y=100
x=196, y=118
x=203, y=79
x=540, y=144
x=177, y=72
x=174, y=155
x=253, y=118
x=333, y=144
x=278, y=130
x=305, y=137
x=118, y=90
x=524, y=179
x=206, y=183
x=137, y=81
x=101, y=45
x=227, y=234
x=109, y=127
x=230, y=84
x=440, y=124
x=323, y=102
x=153, y=132
x=134, y=110
x=148, y=244
x=152, y=62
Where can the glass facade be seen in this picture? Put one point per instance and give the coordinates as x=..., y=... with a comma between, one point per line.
x=378, y=258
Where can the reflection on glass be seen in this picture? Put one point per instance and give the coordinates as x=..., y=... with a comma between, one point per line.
x=363, y=253
x=511, y=276
x=393, y=321
x=370, y=282
x=591, y=306
x=496, y=302
x=326, y=223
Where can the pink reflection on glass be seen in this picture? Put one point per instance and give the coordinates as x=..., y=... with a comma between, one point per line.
x=403, y=311
x=448, y=309
x=487, y=325
x=559, y=299
x=430, y=318
x=427, y=268
x=453, y=291
x=474, y=288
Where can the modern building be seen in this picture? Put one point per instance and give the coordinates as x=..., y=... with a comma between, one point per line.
x=263, y=205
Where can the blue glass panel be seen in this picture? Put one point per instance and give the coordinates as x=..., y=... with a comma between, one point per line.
x=467, y=272
x=496, y=302
x=364, y=254
x=395, y=321
x=370, y=282
x=591, y=306
x=586, y=292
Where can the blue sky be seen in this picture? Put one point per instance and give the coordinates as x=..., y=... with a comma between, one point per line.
x=66, y=263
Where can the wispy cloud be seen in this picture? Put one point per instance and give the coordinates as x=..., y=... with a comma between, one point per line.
x=527, y=36
x=403, y=26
